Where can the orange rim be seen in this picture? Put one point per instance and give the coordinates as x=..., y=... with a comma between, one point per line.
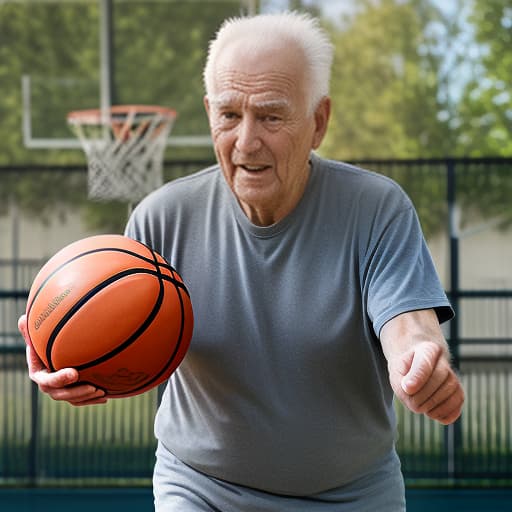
x=94, y=115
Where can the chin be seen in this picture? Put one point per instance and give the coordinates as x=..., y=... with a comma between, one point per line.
x=254, y=198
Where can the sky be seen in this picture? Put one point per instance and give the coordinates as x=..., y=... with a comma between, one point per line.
x=334, y=9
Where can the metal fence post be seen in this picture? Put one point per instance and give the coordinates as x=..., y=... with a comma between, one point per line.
x=454, y=229
x=34, y=424
x=453, y=433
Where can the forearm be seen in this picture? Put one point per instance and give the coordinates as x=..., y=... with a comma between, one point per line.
x=404, y=331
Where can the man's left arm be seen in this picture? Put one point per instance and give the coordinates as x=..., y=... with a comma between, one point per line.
x=419, y=366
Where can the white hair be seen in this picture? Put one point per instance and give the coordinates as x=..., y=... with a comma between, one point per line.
x=288, y=27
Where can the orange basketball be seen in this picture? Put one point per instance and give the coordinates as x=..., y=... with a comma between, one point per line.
x=113, y=309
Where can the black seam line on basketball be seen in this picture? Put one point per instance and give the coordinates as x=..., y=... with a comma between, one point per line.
x=173, y=279
x=92, y=251
x=161, y=295
x=171, y=358
x=133, y=337
x=168, y=267
x=157, y=266
x=178, y=284
x=176, y=347
x=170, y=361
x=84, y=299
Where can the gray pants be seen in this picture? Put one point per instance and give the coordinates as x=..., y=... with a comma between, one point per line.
x=180, y=488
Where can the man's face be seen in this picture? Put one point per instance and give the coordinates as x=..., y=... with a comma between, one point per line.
x=261, y=128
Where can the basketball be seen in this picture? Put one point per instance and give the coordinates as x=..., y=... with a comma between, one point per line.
x=115, y=310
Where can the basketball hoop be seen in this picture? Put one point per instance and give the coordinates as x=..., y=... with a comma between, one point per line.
x=124, y=148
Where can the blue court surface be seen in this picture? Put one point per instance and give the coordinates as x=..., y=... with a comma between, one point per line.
x=140, y=500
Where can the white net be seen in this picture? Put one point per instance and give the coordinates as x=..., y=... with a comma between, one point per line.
x=124, y=149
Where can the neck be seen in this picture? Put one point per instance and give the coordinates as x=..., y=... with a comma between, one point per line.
x=262, y=216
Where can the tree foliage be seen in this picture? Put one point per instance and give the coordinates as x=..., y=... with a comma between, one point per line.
x=386, y=82
x=397, y=64
x=485, y=108
x=396, y=94
x=158, y=53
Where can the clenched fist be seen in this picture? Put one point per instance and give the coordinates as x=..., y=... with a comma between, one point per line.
x=419, y=366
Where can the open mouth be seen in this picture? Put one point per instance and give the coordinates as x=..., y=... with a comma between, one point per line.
x=254, y=168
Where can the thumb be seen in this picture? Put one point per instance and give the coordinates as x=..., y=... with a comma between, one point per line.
x=22, y=326
x=34, y=362
x=423, y=359
x=37, y=370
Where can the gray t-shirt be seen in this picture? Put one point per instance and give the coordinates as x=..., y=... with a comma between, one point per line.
x=285, y=386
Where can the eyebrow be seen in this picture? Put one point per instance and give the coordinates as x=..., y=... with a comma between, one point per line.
x=223, y=99
x=273, y=104
x=226, y=99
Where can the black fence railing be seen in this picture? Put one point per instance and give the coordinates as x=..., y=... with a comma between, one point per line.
x=43, y=442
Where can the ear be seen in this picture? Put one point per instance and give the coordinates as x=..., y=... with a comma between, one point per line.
x=206, y=104
x=322, y=114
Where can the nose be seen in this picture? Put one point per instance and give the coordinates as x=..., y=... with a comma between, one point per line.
x=248, y=137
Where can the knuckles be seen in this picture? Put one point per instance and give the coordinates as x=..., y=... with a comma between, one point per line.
x=442, y=402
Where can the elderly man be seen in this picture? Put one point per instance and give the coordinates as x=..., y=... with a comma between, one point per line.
x=315, y=299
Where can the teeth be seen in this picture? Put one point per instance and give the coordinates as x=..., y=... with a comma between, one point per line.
x=253, y=167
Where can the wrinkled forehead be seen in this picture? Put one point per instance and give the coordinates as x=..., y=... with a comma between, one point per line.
x=266, y=75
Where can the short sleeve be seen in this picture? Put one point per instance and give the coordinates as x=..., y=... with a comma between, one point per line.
x=400, y=273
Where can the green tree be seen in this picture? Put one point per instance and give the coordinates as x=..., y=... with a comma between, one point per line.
x=159, y=50
x=391, y=87
x=485, y=110
x=386, y=83
x=484, y=113
x=387, y=96
x=41, y=39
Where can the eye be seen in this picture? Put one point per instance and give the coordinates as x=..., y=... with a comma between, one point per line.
x=272, y=122
x=229, y=115
x=227, y=119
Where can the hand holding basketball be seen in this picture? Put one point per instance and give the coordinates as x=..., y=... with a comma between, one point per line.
x=108, y=313
x=58, y=385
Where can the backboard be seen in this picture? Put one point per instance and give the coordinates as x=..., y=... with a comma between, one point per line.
x=112, y=52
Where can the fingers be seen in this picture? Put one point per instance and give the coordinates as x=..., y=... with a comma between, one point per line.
x=22, y=326
x=450, y=409
x=441, y=399
x=37, y=370
x=79, y=395
x=425, y=382
x=62, y=384
x=424, y=358
x=34, y=362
